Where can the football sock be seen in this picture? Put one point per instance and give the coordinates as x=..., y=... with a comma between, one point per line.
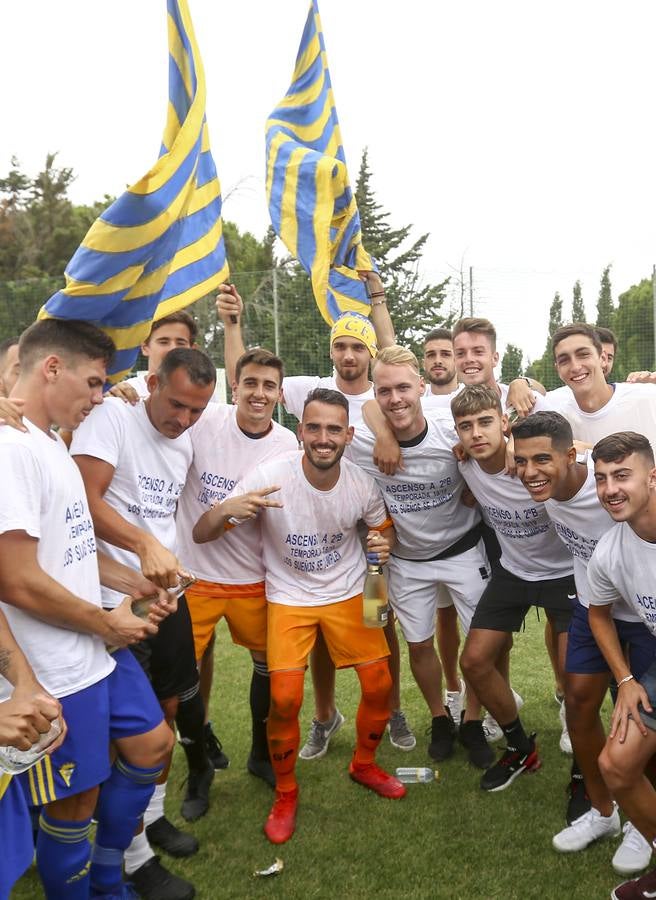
x=260, y=700
x=516, y=736
x=282, y=728
x=190, y=721
x=373, y=711
x=62, y=857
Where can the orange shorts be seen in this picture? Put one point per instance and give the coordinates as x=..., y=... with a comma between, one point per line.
x=243, y=605
x=292, y=631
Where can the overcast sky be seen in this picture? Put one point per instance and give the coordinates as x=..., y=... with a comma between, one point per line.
x=520, y=135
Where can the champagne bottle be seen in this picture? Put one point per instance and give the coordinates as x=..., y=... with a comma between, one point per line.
x=141, y=606
x=374, y=598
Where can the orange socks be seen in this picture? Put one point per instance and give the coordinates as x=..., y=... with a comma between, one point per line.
x=283, y=730
x=373, y=711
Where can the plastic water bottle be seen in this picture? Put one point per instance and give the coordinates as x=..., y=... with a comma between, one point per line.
x=374, y=598
x=15, y=761
x=409, y=775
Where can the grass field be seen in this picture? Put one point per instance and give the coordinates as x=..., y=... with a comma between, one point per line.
x=445, y=840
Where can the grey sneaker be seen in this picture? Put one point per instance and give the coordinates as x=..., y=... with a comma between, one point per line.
x=319, y=737
x=400, y=733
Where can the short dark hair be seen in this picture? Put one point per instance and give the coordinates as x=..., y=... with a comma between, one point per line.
x=66, y=337
x=606, y=336
x=476, y=326
x=546, y=424
x=181, y=317
x=475, y=398
x=615, y=447
x=438, y=334
x=325, y=395
x=258, y=356
x=7, y=345
x=583, y=328
x=198, y=366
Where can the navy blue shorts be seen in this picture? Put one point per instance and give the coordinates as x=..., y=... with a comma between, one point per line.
x=648, y=681
x=584, y=656
x=121, y=705
x=16, y=831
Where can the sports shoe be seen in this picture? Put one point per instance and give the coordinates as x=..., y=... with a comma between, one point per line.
x=455, y=701
x=167, y=837
x=124, y=891
x=400, y=733
x=319, y=737
x=214, y=749
x=153, y=882
x=197, y=801
x=442, y=733
x=633, y=854
x=565, y=743
x=589, y=827
x=281, y=824
x=376, y=779
x=491, y=728
x=510, y=766
x=637, y=888
x=578, y=802
x=472, y=738
x=261, y=768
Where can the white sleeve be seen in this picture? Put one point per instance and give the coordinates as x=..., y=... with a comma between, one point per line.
x=20, y=509
x=602, y=591
x=375, y=511
x=294, y=391
x=101, y=433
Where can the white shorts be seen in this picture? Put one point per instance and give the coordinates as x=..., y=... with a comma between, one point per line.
x=415, y=590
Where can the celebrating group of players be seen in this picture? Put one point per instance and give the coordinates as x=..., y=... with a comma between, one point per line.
x=475, y=521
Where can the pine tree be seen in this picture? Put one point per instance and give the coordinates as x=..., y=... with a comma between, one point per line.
x=605, y=308
x=578, y=308
x=415, y=307
x=511, y=364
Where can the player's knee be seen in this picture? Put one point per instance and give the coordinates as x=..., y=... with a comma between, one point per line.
x=375, y=682
x=420, y=650
x=155, y=747
x=615, y=768
x=475, y=663
x=286, y=696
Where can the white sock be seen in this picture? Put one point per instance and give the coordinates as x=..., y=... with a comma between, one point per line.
x=155, y=809
x=138, y=853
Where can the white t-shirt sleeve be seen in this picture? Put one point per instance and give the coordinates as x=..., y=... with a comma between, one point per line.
x=102, y=434
x=602, y=591
x=20, y=509
x=375, y=511
x=294, y=391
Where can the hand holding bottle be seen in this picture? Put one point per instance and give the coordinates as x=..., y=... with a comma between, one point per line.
x=378, y=550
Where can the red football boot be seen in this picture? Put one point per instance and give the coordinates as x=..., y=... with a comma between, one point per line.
x=376, y=779
x=280, y=825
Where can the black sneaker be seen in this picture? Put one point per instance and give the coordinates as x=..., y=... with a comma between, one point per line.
x=472, y=737
x=197, y=801
x=442, y=737
x=153, y=882
x=261, y=768
x=578, y=802
x=511, y=765
x=214, y=749
x=167, y=837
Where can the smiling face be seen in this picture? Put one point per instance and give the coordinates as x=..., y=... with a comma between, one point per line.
x=624, y=487
x=579, y=364
x=325, y=432
x=399, y=390
x=439, y=364
x=475, y=358
x=256, y=394
x=541, y=467
x=481, y=433
x=350, y=357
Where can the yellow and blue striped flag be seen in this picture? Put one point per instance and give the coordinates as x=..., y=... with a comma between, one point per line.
x=158, y=247
x=311, y=203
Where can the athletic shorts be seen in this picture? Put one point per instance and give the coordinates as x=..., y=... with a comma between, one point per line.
x=16, y=831
x=648, y=681
x=121, y=705
x=168, y=658
x=415, y=589
x=584, y=656
x=507, y=599
x=243, y=606
x=292, y=631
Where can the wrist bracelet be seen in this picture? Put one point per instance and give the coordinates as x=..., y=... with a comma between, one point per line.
x=377, y=294
x=624, y=680
x=378, y=302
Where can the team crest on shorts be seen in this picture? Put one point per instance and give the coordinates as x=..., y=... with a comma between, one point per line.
x=66, y=772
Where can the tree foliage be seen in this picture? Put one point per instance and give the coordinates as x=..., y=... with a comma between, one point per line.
x=633, y=324
x=605, y=308
x=542, y=369
x=578, y=308
x=511, y=363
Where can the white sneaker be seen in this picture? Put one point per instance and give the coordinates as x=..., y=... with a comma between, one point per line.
x=565, y=743
x=455, y=702
x=633, y=854
x=589, y=827
x=491, y=728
